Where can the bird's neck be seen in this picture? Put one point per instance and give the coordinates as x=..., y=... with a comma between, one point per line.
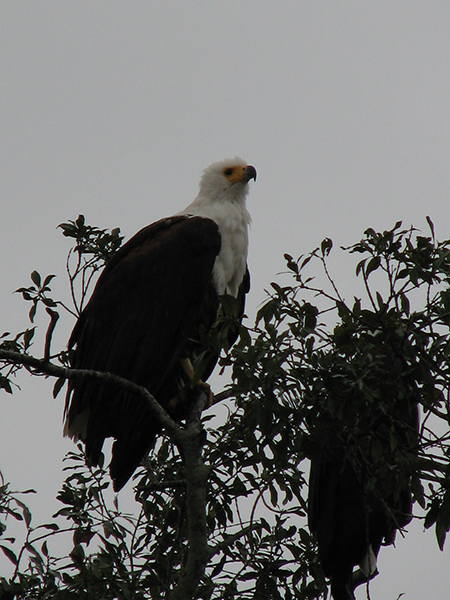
x=233, y=220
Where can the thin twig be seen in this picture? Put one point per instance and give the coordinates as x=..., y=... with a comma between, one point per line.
x=224, y=395
x=54, y=316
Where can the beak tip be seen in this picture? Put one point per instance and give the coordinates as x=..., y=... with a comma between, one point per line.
x=251, y=172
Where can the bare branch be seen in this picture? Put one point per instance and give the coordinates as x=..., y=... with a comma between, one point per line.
x=44, y=367
x=190, y=441
x=54, y=316
x=224, y=395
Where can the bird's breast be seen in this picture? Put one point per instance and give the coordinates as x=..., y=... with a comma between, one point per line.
x=230, y=265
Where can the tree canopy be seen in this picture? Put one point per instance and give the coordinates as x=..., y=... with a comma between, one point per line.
x=229, y=519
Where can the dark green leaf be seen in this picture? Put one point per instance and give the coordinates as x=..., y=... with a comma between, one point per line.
x=36, y=278
x=326, y=246
x=9, y=554
x=373, y=265
x=58, y=386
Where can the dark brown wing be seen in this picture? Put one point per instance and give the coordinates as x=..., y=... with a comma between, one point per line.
x=147, y=304
x=346, y=513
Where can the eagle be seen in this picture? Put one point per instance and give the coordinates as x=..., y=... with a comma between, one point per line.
x=150, y=314
x=365, y=454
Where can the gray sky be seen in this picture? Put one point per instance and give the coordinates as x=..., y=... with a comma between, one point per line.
x=113, y=109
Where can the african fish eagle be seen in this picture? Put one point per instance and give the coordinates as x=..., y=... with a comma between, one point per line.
x=149, y=312
x=365, y=448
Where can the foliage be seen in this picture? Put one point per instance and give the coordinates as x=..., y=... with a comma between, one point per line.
x=93, y=249
x=309, y=346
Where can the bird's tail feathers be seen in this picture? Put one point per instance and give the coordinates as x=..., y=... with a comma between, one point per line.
x=368, y=565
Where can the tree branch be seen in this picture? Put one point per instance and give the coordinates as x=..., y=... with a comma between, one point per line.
x=224, y=395
x=54, y=316
x=232, y=538
x=45, y=367
x=190, y=443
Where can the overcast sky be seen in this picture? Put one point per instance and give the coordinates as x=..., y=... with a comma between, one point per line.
x=113, y=109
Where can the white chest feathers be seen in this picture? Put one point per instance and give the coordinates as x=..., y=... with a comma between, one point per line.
x=231, y=263
x=233, y=220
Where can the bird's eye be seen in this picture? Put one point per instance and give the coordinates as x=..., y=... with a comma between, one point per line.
x=228, y=172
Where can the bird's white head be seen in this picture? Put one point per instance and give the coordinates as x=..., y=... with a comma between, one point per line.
x=227, y=180
x=221, y=198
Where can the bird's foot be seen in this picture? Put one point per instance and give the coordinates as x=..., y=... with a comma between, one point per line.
x=180, y=406
x=206, y=389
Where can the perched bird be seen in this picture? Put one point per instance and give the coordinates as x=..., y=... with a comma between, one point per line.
x=365, y=439
x=150, y=314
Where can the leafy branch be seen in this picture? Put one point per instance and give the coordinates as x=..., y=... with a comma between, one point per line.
x=222, y=509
